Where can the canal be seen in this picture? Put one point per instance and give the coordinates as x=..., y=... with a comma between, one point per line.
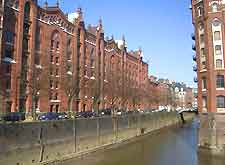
x=173, y=146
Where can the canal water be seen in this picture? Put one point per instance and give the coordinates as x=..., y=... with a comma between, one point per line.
x=173, y=146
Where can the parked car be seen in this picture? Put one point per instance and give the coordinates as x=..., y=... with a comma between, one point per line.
x=107, y=112
x=79, y=114
x=120, y=112
x=86, y=114
x=48, y=116
x=14, y=116
x=62, y=116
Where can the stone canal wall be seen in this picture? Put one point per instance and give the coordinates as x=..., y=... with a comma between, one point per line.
x=40, y=142
x=212, y=133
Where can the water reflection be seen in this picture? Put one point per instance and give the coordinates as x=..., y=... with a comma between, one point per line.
x=177, y=146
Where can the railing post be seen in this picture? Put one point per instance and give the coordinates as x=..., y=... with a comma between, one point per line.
x=75, y=134
x=98, y=129
x=41, y=144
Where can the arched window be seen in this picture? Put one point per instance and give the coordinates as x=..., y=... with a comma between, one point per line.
x=200, y=11
x=220, y=81
x=27, y=11
x=215, y=7
x=55, y=44
x=219, y=63
x=220, y=101
x=216, y=22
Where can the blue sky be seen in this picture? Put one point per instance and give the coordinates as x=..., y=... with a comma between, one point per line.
x=162, y=28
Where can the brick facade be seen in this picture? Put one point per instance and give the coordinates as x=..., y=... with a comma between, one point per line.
x=53, y=63
x=208, y=20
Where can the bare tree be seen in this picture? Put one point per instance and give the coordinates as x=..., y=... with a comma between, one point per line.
x=114, y=89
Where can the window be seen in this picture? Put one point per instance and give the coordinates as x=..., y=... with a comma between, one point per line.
x=56, y=84
x=27, y=11
x=92, y=63
x=57, y=108
x=220, y=81
x=51, y=71
x=203, y=65
x=57, y=60
x=51, y=58
x=69, y=56
x=51, y=84
x=92, y=53
x=9, y=37
x=200, y=11
x=57, y=72
x=217, y=35
x=8, y=53
x=215, y=7
x=204, y=102
x=69, y=43
x=37, y=39
x=37, y=103
x=202, y=38
x=69, y=68
x=51, y=108
x=57, y=45
x=219, y=64
x=52, y=44
x=220, y=101
x=218, y=50
x=204, y=83
x=202, y=52
x=17, y=4
x=201, y=27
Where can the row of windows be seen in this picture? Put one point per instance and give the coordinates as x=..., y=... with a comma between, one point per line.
x=219, y=82
x=214, y=8
x=220, y=101
x=52, y=84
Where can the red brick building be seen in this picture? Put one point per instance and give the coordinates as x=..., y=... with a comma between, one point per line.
x=208, y=20
x=51, y=62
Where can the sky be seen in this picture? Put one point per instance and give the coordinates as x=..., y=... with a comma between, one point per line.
x=161, y=28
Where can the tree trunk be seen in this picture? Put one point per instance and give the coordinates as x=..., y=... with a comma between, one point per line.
x=34, y=98
x=69, y=104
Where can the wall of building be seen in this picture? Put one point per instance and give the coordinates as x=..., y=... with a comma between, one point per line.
x=208, y=21
x=31, y=143
x=52, y=54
